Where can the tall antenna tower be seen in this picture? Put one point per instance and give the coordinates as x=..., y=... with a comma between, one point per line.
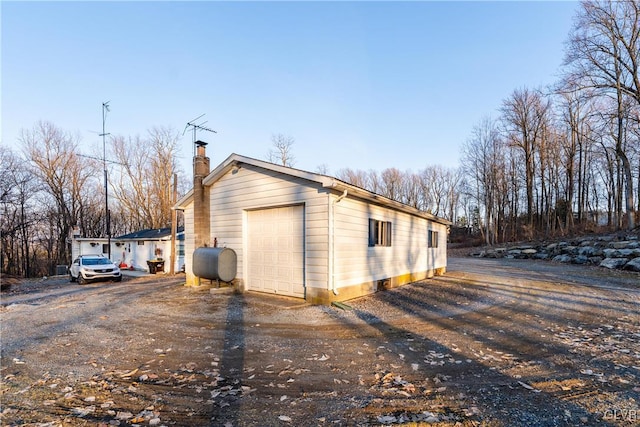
x=105, y=110
x=195, y=127
x=104, y=160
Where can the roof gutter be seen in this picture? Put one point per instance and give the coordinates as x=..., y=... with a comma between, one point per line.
x=384, y=201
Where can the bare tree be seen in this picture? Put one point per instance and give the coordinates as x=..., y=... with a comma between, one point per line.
x=354, y=177
x=67, y=181
x=392, y=181
x=524, y=116
x=323, y=169
x=484, y=166
x=17, y=190
x=604, y=54
x=576, y=115
x=374, y=182
x=411, y=190
x=439, y=190
x=453, y=180
x=282, y=150
x=434, y=190
x=604, y=47
x=143, y=185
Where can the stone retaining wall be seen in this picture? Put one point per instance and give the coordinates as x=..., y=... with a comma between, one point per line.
x=615, y=251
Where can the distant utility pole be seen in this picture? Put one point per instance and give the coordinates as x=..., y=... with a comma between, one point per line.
x=105, y=110
x=174, y=224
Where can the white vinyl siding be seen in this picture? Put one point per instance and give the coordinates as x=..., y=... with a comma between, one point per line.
x=356, y=262
x=189, y=240
x=250, y=188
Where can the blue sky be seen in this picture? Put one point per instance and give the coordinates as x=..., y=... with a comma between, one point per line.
x=365, y=85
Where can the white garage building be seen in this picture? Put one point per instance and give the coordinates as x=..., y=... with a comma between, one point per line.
x=307, y=235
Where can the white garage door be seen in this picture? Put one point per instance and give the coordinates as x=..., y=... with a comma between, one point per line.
x=276, y=250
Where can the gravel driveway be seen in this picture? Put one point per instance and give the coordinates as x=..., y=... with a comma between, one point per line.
x=493, y=342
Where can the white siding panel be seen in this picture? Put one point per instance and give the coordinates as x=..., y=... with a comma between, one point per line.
x=234, y=195
x=356, y=262
x=189, y=243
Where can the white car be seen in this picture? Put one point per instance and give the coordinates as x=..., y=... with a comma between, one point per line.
x=87, y=268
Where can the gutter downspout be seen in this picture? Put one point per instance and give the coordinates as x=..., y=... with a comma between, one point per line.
x=332, y=284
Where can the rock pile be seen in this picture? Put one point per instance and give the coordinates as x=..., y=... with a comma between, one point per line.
x=609, y=251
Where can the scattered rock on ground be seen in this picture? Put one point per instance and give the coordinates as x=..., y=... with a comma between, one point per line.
x=612, y=251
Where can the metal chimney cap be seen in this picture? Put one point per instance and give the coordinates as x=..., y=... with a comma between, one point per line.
x=200, y=143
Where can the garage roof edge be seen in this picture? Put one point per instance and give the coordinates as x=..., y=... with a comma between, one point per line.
x=326, y=181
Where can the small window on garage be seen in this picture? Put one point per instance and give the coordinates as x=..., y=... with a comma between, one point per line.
x=105, y=248
x=379, y=233
x=433, y=239
x=140, y=242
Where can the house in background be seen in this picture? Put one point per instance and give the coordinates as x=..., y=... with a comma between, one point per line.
x=90, y=246
x=307, y=235
x=133, y=250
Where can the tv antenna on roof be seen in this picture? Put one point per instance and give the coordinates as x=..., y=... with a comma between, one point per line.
x=195, y=127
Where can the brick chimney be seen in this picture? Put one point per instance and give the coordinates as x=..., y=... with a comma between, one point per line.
x=201, y=219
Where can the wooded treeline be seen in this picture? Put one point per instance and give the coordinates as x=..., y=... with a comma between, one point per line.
x=552, y=161
x=561, y=158
x=49, y=187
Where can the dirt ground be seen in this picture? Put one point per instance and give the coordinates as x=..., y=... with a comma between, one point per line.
x=494, y=342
